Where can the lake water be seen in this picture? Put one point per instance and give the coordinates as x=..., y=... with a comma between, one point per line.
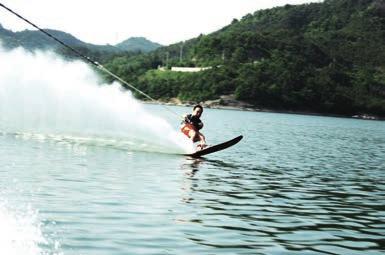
x=294, y=185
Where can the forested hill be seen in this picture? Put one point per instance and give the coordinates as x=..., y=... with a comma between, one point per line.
x=324, y=57
x=138, y=44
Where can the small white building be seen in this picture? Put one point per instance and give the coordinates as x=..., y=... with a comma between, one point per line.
x=188, y=69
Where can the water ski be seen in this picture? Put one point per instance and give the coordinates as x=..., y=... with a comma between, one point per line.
x=215, y=148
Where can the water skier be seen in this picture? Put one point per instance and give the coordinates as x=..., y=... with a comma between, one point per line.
x=191, y=125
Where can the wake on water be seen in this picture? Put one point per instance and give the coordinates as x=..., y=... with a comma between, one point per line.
x=43, y=95
x=21, y=231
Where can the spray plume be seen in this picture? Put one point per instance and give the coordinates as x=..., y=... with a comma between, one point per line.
x=40, y=93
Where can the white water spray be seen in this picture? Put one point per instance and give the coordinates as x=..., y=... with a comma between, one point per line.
x=20, y=231
x=42, y=94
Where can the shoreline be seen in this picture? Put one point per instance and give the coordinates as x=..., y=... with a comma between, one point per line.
x=242, y=106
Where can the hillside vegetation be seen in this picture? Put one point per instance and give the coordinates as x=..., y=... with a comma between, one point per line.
x=321, y=57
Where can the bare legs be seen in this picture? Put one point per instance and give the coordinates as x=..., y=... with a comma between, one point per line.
x=196, y=136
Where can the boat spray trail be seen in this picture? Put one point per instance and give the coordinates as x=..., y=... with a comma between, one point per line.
x=40, y=93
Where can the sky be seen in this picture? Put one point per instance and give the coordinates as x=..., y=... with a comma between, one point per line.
x=112, y=21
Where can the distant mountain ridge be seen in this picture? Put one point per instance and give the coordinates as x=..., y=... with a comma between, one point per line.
x=138, y=44
x=34, y=39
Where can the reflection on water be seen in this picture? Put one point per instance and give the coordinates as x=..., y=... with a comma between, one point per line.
x=191, y=166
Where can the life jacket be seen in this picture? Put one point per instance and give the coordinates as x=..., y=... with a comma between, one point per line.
x=193, y=120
